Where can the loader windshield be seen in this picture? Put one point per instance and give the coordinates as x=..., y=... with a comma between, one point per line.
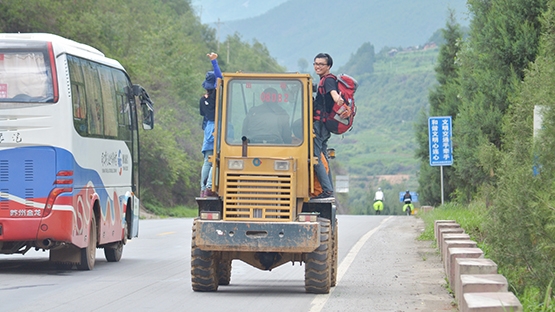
x=266, y=112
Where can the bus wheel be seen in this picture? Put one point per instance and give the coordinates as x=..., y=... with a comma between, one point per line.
x=88, y=254
x=317, y=274
x=204, y=268
x=114, y=252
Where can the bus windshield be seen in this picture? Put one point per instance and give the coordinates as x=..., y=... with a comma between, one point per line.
x=267, y=112
x=25, y=76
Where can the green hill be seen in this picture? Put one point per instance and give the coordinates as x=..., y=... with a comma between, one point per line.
x=210, y=11
x=382, y=141
x=301, y=29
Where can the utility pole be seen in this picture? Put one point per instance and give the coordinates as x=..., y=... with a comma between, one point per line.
x=218, y=34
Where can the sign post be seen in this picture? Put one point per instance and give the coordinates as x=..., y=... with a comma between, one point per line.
x=342, y=184
x=441, y=149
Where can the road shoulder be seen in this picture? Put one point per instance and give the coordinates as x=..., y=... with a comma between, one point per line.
x=394, y=272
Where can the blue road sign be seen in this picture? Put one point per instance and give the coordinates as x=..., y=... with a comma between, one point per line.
x=440, y=134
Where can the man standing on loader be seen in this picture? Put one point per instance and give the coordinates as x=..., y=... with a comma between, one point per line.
x=326, y=96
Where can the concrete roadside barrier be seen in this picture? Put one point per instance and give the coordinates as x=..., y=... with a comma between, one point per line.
x=491, y=302
x=439, y=224
x=466, y=243
x=454, y=253
x=479, y=283
x=447, y=237
x=464, y=266
x=448, y=231
x=472, y=278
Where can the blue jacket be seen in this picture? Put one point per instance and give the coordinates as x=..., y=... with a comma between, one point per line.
x=208, y=142
x=207, y=105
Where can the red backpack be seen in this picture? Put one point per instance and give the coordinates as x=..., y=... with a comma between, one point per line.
x=346, y=86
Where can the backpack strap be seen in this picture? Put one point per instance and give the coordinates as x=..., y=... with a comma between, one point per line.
x=320, y=112
x=321, y=89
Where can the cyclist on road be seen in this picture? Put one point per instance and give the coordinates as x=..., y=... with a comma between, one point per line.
x=407, y=199
x=378, y=201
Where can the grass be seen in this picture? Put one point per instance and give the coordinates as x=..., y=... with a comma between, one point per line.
x=408, y=62
x=173, y=212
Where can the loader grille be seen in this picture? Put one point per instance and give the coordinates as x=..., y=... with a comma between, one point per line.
x=258, y=197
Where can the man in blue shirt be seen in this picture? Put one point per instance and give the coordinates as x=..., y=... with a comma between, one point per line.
x=207, y=106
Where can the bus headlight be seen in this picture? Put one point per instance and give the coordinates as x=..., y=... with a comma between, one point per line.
x=281, y=165
x=235, y=164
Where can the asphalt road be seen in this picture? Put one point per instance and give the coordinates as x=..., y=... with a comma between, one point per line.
x=382, y=267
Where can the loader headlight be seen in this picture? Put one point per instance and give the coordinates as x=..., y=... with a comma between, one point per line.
x=235, y=164
x=308, y=216
x=210, y=215
x=282, y=165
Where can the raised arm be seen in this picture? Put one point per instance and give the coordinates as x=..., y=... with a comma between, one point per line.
x=213, y=58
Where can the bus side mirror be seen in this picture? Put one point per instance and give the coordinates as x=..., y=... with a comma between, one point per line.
x=147, y=107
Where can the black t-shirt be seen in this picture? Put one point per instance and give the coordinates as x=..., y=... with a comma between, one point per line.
x=325, y=99
x=207, y=105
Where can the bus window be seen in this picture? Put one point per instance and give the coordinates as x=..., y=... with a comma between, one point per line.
x=94, y=99
x=123, y=94
x=99, y=98
x=109, y=101
x=78, y=95
x=25, y=77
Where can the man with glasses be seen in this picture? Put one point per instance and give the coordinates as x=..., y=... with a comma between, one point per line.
x=326, y=96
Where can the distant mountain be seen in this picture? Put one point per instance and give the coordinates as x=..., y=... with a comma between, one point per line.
x=230, y=10
x=298, y=29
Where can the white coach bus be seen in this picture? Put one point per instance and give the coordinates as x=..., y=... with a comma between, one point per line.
x=69, y=150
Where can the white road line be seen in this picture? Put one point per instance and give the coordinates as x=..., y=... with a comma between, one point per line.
x=318, y=303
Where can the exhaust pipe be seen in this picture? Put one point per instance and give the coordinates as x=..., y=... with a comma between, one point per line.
x=45, y=243
x=244, y=146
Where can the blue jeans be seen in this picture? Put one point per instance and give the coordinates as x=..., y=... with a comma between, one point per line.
x=321, y=146
x=206, y=173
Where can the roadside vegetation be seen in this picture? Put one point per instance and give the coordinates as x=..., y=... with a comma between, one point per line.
x=173, y=212
x=393, y=90
x=476, y=221
x=163, y=45
x=495, y=84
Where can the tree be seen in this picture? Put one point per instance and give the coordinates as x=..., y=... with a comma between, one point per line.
x=249, y=58
x=503, y=40
x=362, y=62
x=303, y=65
x=443, y=102
x=163, y=47
x=520, y=226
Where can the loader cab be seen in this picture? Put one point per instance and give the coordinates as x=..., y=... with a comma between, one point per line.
x=264, y=111
x=263, y=133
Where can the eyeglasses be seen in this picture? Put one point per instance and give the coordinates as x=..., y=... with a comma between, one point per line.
x=319, y=64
